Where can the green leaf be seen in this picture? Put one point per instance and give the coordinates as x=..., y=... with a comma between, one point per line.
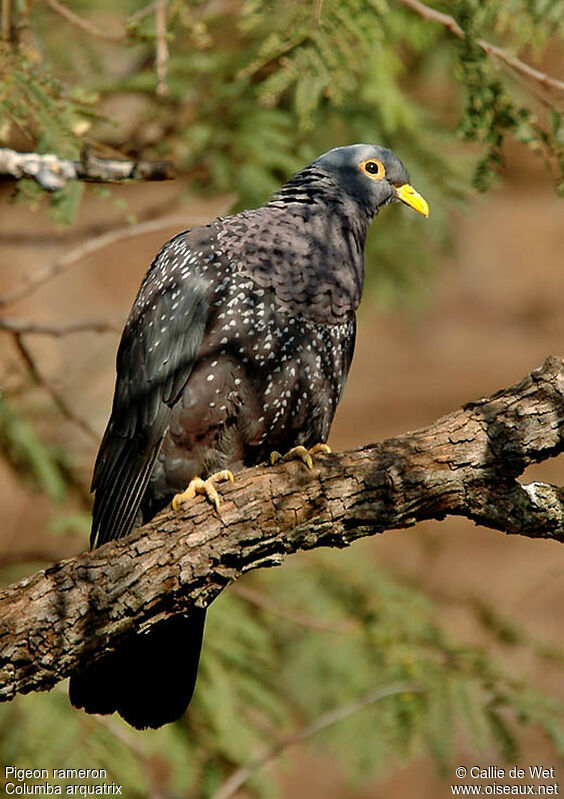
x=25, y=451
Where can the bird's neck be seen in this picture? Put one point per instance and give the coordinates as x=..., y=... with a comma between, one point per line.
x=318, y=202
x=312, y=193
x=307, y=245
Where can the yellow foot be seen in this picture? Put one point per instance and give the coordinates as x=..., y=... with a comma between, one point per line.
x=300, y=453
x=204, y=487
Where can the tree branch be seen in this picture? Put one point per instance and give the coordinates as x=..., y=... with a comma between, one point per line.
x=24, y=328
x=53, y=392
x=161, y=55
x=139, y=16
x=328, y=719
x=41, y=276
x=52, y=172
x=464, y=464
x=254, y=597
x=79, y=22
x=448, y=22
x=6, y=20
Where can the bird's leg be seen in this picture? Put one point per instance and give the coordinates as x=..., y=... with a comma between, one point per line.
x=204, y=487
x=300, y=453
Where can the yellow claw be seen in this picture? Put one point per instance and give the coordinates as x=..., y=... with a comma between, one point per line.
x=303, y=454
x=325, y=448
x=204, y=487
x=275, y=456
x=300, y=453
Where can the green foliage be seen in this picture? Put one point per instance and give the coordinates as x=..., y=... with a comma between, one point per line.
x=317, y=57
x=23, y=449
x=74, y=522
x=36, y=102
x=264, y=675
x=253, y=94
x=491, y=111
x=48, y=115
x=530, y=23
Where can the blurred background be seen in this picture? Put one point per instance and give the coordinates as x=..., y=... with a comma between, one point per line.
x=238, y=96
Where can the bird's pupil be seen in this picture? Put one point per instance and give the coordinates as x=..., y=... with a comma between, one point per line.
x=372, y=167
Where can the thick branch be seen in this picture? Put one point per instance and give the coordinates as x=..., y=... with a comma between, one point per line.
x=465, y=464
x=52, y=172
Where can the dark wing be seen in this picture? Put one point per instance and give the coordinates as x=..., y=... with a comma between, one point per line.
x=156, y=355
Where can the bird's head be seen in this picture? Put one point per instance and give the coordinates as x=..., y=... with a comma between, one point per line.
x=372, y=175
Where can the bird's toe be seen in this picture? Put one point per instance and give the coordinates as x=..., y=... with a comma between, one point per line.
x=205, y=488
x=300, y=453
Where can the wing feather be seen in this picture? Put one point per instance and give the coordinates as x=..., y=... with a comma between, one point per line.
x=156, y=355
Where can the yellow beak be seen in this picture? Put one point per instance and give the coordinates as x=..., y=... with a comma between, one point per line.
x=409, y=196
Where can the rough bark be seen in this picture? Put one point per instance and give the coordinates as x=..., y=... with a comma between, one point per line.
x=464, y=464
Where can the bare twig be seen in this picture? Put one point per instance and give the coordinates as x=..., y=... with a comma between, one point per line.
x=42, y=276
x=56, y=331
x=78, y=22
x=55, y=395
x=53, y=173
x=448, y=22
x=318, y=8
x=140, y=15
x=239, y=777
x=265, y=603
x=79, y=233
x=132, y=742
x=162, y=47
x=464, y=464
x=6, y=22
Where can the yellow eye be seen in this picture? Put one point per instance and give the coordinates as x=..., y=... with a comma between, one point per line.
x=373, y=168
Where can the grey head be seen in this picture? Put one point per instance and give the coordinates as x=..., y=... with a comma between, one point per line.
x=372, y=175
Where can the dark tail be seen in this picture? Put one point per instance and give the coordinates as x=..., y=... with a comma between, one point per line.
x=150, y=679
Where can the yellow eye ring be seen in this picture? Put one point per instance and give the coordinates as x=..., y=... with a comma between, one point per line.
x=373, y=168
